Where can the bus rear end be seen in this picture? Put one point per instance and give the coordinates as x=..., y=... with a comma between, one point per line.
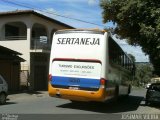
x=76, y=70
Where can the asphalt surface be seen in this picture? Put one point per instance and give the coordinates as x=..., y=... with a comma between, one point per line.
x=39, y=106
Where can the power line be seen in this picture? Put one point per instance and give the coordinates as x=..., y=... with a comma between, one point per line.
x=48, y=12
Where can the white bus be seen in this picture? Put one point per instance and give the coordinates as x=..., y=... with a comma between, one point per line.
x=88, y=65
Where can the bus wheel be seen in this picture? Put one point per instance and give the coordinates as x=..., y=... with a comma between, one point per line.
x=116, y=94
x=129, y=89
x=75, y=102
x=78, y=102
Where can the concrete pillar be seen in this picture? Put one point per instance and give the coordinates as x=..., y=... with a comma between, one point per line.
x=2, y=33
x=28, y=61
x=49, y=36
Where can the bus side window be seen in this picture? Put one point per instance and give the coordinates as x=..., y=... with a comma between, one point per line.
x=115, y=52
x=118, y=56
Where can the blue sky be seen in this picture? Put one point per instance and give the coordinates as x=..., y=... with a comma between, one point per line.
x=85, y=10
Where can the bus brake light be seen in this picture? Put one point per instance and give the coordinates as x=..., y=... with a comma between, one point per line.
x=102, y=83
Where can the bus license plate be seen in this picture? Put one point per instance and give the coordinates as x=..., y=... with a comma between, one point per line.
x=74, y=88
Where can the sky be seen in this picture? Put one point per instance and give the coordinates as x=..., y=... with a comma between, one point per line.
x=76, y=13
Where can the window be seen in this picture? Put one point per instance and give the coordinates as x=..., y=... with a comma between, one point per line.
x=11, y=30
x=15, y=31
x=115, y=52
x=118, y=56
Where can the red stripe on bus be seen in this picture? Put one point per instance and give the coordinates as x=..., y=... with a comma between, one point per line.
x=73, y=59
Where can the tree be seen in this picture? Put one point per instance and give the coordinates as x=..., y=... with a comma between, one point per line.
x=143, y=74
x=132, y=57
x=139, y=22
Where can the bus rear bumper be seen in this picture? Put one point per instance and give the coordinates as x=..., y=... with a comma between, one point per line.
x=77, y=95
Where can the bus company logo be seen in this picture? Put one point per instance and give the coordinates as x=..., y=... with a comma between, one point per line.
x=79, y=41
x=74, y=80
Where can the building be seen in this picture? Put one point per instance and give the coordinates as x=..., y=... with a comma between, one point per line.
x=30, y=33
x=10, y=67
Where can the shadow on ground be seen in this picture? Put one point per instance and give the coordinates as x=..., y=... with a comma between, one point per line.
x=155, y=105
x=130, y=103
x=8, y=103
x=27, y=92
x=33, y=92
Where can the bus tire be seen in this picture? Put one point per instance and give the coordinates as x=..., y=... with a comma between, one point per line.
x=128, y=92
x=77, y=102
x=129, y=89
x=116, y=94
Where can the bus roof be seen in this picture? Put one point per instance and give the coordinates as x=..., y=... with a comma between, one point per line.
x=92, y=31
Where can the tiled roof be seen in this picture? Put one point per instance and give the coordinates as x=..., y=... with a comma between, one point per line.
x=4, y=50
x=6, y=53
x=21, y=12
x=15, y=12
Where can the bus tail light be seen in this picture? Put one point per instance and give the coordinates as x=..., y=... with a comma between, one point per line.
x=102, y=83
x=50, y=77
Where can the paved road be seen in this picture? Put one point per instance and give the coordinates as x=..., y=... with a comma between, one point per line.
x=40, y=103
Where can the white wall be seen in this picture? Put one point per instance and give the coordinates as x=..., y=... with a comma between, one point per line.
x=23, y=46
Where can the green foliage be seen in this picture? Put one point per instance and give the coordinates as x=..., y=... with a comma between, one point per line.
x=139, y=22
x=132, y=57
x=143, y=74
